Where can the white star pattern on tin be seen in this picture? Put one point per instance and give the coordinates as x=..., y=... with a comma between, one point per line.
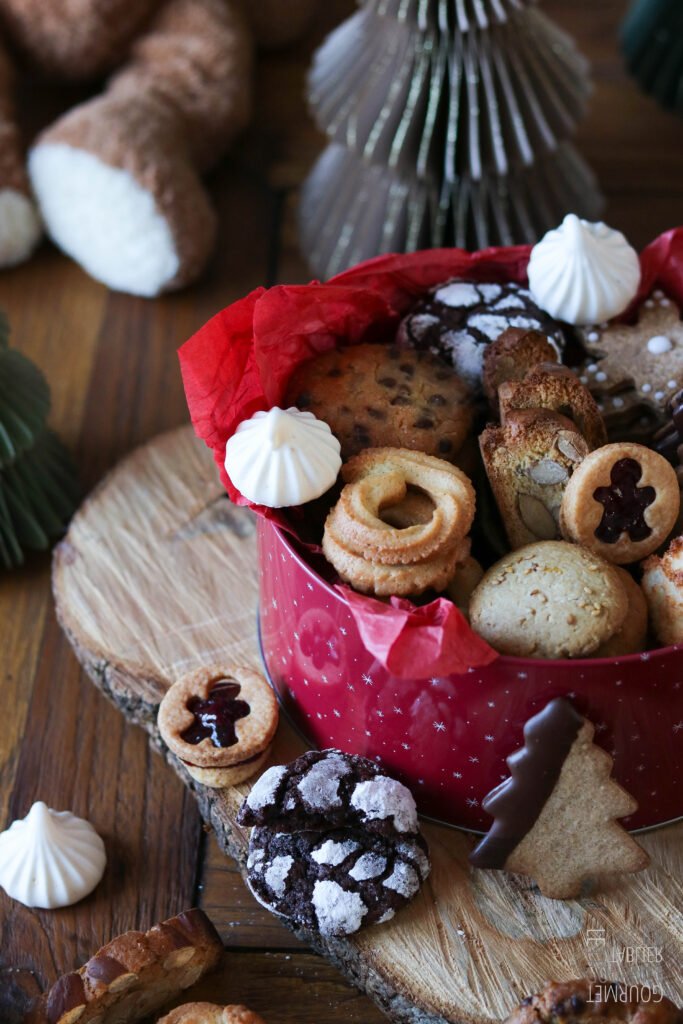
x=471, y=802
x=439, y=726
x=640, y=767
x=368, y=680
x=434, y=681
x=397, y=711
x=310, y=586
x=522, y=675
x=601, y=726
x=351, y=687
x=380, y=714
x=331, y=645
x=473, y=760
x=457, y=775
x=489, y=738
x=492, y=703
x=296, y=635
x=406, y=746
x=678, y=726
x=273, y=601
x=337, y=714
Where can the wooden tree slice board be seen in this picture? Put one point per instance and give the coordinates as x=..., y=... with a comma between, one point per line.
x=157, y=576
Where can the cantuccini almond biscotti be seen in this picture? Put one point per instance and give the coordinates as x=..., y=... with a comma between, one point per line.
x=135, y=974
x=529, y=461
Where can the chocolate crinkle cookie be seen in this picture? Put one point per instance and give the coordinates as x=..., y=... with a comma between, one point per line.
x=326, y=789
x=587, y=1000
x=334, y=882
x=336, y=844
x=458, y=319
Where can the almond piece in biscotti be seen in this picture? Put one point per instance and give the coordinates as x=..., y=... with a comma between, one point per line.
x=528, y=468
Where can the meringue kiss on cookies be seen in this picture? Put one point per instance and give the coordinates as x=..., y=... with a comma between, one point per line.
x=282, y=458
x=583, y=273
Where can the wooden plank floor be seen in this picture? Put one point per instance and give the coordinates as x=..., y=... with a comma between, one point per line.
x=111, y=363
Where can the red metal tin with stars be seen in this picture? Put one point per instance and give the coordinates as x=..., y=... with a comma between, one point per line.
x=448, y=738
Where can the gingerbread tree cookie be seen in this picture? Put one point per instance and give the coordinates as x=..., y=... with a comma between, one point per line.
x=555, y=817
x=642, y=360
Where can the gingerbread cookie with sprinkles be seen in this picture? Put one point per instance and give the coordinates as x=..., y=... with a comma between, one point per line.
x=458, y=319
x=555, y=817
x=645, y=358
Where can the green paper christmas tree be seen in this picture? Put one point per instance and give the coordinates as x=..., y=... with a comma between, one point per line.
x=38, y=489
x=652, y=42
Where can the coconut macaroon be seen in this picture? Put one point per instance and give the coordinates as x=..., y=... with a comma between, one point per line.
x=663, y=586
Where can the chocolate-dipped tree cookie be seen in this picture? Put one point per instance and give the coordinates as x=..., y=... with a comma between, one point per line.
x=38, y=489
x=448, y=125
x=555, y=817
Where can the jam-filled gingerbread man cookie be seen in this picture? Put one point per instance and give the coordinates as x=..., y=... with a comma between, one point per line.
x=220, y=723
x=646, y=356
x=621, y=502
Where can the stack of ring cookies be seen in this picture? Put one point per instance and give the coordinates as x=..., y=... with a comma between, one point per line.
x=220, y=723
x=401, y=523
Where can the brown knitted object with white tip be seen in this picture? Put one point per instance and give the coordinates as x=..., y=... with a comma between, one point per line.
x=19, y=221
x=78, y=40
x=166, y=116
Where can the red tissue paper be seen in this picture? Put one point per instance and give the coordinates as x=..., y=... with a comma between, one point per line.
x=241, y=360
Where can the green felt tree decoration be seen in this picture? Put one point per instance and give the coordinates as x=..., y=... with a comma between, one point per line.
x=449, y=123
x=38, y=489
x=652, y=42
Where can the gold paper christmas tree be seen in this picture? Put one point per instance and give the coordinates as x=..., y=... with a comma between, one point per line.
x=38, y=490
x=448, y=123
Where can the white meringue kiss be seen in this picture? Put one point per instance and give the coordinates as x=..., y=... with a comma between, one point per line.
x=583, y=273
x=50, y=858
x=282, y=458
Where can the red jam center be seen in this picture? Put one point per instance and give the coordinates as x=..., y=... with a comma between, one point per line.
x=215, y=717
x=624, y=503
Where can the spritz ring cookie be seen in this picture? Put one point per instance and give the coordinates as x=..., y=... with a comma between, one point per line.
x=622, y=502
x=379, y=558
x=379, y=479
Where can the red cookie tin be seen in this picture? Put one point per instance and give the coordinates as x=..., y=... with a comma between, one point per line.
x=447, y=738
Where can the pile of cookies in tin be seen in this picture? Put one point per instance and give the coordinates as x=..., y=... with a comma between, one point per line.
x=542, y=403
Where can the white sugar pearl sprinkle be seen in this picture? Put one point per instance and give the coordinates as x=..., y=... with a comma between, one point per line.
x=646, y=388
x=672, y=384
x=593, y=336
x=659, y=344
x=601, y=376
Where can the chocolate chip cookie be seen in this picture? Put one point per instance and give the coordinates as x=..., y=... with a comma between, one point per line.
x=458, y=319
x=376, y=396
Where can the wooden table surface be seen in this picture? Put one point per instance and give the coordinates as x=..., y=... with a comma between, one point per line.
x=111, y=363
